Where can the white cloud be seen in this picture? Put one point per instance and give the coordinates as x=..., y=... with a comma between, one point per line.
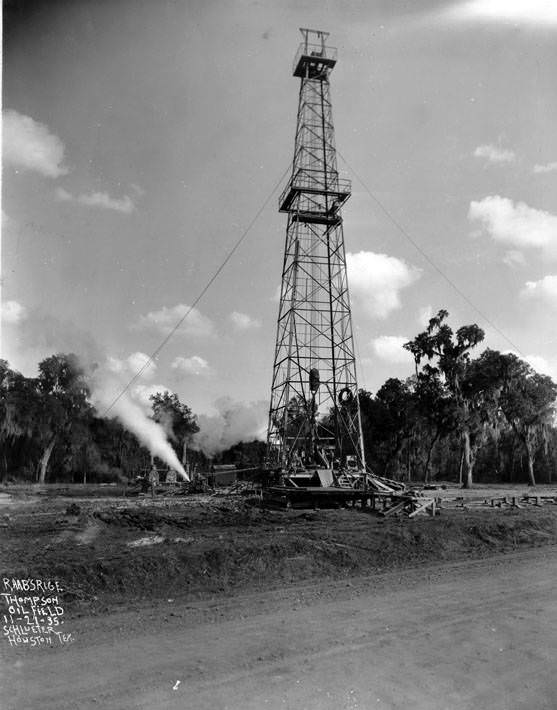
x=532, y=12
x=131, y=365
x=514, y=259
x=493, y=154
x=547, y=168
x=98, y=199
x=104, y=201
x=141, y=394
x=194, y=365
x=114, y=364
x=166, y=319
x=538, y=362
x=542, y=365
x=389, y=348
x=12, y=312
x=544, y=290
x=30, y=145
x=63, y=195
x=425, y=314
x=140, y=361
x=242, y=321
x=516, y=223
x=377, y=279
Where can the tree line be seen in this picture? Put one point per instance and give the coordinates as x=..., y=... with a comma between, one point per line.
x=488, y=418
x=50, y=431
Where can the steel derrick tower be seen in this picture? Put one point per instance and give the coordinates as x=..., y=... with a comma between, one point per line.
x=314, y=416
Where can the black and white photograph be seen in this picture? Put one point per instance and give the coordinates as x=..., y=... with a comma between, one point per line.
x=278, y=357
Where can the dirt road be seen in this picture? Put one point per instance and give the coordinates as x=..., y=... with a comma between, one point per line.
x=480, y=634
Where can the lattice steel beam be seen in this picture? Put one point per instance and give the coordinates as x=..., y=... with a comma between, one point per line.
x=314, y=402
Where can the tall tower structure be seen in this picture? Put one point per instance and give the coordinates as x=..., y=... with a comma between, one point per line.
x=314, y=415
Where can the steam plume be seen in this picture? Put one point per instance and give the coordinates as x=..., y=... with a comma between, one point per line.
x=39, y=335
x=234, y=422
x=131, y=414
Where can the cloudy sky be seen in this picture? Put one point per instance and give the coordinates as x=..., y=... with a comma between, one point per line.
x=141, y=139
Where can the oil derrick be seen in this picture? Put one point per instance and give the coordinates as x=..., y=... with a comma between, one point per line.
x=314, y=416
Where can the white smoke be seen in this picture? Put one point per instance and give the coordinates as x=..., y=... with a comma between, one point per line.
x=234, y=422
x=39, y=335
x=132, y=413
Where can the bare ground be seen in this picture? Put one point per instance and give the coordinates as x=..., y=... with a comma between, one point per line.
x=251, y=608
x=479, y=634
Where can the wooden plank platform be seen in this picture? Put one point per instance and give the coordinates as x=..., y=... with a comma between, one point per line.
x=385, y=504
x=312, y=496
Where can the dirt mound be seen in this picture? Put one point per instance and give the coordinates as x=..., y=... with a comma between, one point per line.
x=102, y=556
x=236, y=513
